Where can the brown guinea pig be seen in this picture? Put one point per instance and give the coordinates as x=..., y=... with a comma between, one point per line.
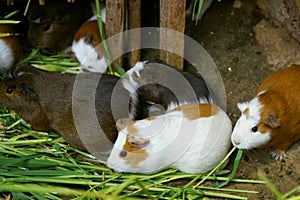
x=272, y=117
x=52, y=26
x=71, y=105
x=10, y=48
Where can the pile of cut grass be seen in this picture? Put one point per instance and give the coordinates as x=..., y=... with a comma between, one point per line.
x=39, y=165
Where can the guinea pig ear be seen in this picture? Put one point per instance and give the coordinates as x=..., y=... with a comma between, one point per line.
x=89, y=40
x=26, y=90
x=242, y=106
x=272, y=121
x=138, y=141
x=121, y=123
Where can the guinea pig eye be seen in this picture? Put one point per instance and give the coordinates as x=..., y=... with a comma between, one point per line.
x=123, y=154
x=47, y=27
x=254, y=129
x=9, y=91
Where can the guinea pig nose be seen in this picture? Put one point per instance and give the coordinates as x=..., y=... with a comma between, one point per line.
x=236, y=142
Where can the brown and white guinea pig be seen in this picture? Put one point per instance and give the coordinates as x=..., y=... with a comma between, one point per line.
x=272, y=117
x=52, y=26
x=10, y=48
x=86, y=45
x=192, y=138
x=163, y=85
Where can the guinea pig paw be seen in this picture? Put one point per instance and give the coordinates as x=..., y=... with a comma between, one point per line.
x=278, y=155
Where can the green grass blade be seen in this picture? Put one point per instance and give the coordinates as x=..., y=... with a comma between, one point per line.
x=235, y=168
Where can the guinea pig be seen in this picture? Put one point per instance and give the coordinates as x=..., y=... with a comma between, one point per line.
x=10, y=48
x=47, y=99
x=192, y=138
x=86, y=48
x=163, y=85
x=272, y=117
x=52, y=26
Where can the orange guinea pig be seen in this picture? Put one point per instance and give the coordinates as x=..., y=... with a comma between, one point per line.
x=272, y=117
x=10, y=48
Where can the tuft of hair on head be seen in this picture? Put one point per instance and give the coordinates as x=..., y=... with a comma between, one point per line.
x=243, y=106
x=172, y=105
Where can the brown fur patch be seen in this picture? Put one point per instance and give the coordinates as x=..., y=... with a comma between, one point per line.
x=131, y=129
x=262, y=128
x=196, y=111
x=11, y=41
x=91, y=28
x=246, y=112
x=281, y=100
x=135, y=155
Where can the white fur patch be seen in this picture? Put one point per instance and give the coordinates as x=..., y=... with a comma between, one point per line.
x=94, y=17
x=136, y=68
x=88, y=57
x=173, y=105
x=6, y=55
x=261, y=92
x=131, y=90
x=139, y=66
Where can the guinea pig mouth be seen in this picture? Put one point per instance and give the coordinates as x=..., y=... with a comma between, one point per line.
x=242, y=145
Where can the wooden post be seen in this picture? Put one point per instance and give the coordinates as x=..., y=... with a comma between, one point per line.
x=134, y=21
x=172, y=16
x=115, y=19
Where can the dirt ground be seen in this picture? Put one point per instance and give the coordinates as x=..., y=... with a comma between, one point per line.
x=227, y=35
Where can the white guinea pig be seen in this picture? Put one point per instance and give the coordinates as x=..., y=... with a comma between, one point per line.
x=86, y=45
x=272, y=118
x=10, y=48
x=192, y=138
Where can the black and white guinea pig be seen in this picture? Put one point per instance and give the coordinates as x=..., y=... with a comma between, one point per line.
x=163, y=85
x=272, y=117
x=86, y=45
x=192, y=138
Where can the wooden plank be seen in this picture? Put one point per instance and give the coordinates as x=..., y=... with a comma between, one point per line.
x=172, y=16
x=115, y=19
x=134, y=21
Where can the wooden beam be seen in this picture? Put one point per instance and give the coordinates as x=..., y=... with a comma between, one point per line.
x=134, y=21
x=172, y=16
x=115, y=19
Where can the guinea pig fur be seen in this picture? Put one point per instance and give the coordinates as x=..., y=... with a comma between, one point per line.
x=52, y=26
x=10, y=48
x=192, y=138
x=45, y=100
x=272, y=117
x=86, y=46
x=148, y=82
